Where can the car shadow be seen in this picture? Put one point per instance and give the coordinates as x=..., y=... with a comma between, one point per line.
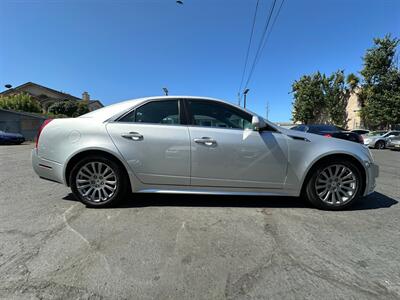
x=373, y=201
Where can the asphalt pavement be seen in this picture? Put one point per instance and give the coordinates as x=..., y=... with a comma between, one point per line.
x=194, y=247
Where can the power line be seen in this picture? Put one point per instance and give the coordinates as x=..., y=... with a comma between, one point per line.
x=272, y=27
x=248, y=47
x=260, y=43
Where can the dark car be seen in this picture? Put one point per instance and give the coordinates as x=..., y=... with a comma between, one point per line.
x=330, y=131
x=11, y=138
x=360, y=131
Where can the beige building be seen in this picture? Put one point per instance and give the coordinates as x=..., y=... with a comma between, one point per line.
x=353, y=111
x=47, y=96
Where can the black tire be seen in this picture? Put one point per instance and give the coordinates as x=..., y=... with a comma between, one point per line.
x=121, y=182
x=380, y=145
x=311, y=193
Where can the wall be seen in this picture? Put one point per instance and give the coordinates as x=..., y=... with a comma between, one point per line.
x=28, y=126
x=353, y=112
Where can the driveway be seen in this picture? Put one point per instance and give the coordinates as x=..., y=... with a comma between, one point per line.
x=194, y=247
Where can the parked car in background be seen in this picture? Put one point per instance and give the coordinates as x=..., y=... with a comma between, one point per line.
x=360, y=131
x=330, y=131
x=393, y=143
x=379, y=139
x=184, y=144
x=7, y=138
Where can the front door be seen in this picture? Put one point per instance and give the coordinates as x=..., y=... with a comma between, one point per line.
x=154, y=143
x=227, y=152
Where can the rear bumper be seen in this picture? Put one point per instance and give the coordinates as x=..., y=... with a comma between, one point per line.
x=372, y=173
x=47, y=169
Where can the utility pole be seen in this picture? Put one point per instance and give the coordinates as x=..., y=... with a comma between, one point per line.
x=165, y=91
x=238, y=98
x=267, y=110
x=245, y=96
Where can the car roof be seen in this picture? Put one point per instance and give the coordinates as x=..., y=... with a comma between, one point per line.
x=109, y=111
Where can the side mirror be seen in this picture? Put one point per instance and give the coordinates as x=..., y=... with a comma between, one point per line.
x=257, y=123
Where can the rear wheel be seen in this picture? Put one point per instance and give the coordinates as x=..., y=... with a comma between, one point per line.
x=380, y=145
x=97, y=182
x=334, y=185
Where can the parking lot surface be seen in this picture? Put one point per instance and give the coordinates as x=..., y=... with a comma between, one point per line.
x=194, y=247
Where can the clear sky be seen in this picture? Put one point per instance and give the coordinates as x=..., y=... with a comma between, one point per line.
x=118, y=50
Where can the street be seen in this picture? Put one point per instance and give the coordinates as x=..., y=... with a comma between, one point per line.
x=194, y=247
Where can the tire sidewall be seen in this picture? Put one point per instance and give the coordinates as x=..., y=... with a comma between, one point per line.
x=380, y=145
x=312, y=194
x=121, y=185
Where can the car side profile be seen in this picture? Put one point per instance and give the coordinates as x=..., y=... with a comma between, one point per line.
x=9, y=138
x=184, y=144
x=379, y=139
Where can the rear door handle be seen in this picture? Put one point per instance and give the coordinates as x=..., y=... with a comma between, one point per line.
x=207, y=141
x=133, y=136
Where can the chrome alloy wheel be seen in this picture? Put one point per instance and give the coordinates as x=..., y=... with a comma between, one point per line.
x=96, y=182
x=336, y=184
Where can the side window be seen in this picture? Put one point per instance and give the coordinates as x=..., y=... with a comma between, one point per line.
x=157, y=112
x=299, y=128
x=210, y=114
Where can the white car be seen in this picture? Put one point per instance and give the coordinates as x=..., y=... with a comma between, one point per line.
x=197, y=145
x=379, y=139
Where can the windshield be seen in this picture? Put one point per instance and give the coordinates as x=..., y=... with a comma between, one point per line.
x=376, y=133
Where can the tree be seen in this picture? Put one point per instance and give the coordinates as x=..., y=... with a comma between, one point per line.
x=321, y=99
x=20, y=102
x=83, y=108
x=336, y=98
x=352, y=81
x=380, y=91
x=309, y=99
x=67, y=108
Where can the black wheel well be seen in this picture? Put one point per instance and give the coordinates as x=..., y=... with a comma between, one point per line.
x=324, y=159
x=83, y=154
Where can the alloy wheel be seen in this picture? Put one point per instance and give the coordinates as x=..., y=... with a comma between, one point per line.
x=336, y=184
x=96, y=182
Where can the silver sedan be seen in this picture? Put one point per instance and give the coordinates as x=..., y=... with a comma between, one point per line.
x=197, y=145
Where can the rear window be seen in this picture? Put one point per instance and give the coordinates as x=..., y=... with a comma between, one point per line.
x=320, y=128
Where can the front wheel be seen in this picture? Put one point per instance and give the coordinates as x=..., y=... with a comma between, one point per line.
x=334, y=185
x=97, y=182
x=380, y=145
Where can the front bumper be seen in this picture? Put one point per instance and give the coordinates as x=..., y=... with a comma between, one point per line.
x=47, y=169
x=372, y=173
x=393, y=146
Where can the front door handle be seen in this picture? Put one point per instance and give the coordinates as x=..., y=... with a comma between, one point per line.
x=207, y=141
x=133, y=136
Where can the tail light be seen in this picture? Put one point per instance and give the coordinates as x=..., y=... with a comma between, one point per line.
x=360, y=139
x=327, y=135
x=40, y=130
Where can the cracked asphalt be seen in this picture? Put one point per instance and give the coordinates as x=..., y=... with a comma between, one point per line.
x=194, y=247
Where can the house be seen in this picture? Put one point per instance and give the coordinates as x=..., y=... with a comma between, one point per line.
x=25, y=123
x=353, y=111
x=47, y=96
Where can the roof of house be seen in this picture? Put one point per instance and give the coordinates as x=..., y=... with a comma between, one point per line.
x=24, y=113
x=96, y=101
x=62, y=94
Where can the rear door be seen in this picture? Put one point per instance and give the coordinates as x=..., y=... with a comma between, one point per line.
x=154, y=142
